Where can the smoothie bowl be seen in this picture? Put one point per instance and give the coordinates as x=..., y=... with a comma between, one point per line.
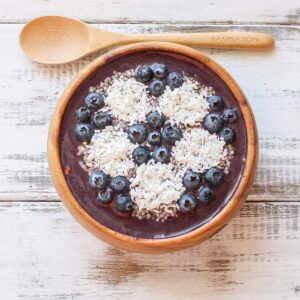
x=153, y=147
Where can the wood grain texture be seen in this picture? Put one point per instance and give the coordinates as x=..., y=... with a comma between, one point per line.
x=47, y=255
x=209, y=11
x=270, y=80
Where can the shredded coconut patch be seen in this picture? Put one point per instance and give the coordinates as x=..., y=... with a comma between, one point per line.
x=155, y=184
x=199, y=150
x=187, y=104
x=127, y=99
x=109, y=151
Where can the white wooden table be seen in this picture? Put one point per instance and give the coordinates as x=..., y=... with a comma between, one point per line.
x=45, y=254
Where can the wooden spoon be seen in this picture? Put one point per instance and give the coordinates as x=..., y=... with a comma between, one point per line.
x=58, y=40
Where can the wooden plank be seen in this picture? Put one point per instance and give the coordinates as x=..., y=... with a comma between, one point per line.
x=134, y=11
x=270, y=80
x=48, y=255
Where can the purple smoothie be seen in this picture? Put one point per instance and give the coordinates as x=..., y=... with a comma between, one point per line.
x=78, y=179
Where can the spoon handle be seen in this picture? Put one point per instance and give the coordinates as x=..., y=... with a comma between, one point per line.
x=230, y=40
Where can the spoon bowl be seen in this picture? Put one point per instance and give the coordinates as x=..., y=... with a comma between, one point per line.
x=54, y=40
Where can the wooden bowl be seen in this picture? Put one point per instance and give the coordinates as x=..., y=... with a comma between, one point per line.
x=163, y=244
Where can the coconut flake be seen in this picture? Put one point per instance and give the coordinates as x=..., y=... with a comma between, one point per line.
x=109, y=150
x=187, y=104
x=199, y=150
x=155, y=184
x=127, y=99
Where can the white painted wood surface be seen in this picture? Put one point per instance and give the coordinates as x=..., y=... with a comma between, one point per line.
x=45, y=254
x=141, y=11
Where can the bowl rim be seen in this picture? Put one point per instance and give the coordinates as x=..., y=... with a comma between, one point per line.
x=142, y=244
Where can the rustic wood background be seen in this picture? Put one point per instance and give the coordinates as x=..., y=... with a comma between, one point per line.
x=45, y=254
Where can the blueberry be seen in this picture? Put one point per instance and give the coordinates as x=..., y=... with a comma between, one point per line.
x=105, y=196
x=141, y=155
x=191, y=180
x=161, y=154
x=98, y=180
x=205, y=194
x=230, y=115
x=101, y=119
x=124, y=203
x=174, y=80
x=213, y=122
x=228, y=135
x=156, y=87
x=155, y=119
x=94, y=101
x=214, y=176
x=215, y=103
x=160, y=71
x=83, y=114
x=143, y=74
x=187, y=203
x=137, y=133
x=84, y=132
x=120, y=184
x=171, y=134
x=154, y=138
